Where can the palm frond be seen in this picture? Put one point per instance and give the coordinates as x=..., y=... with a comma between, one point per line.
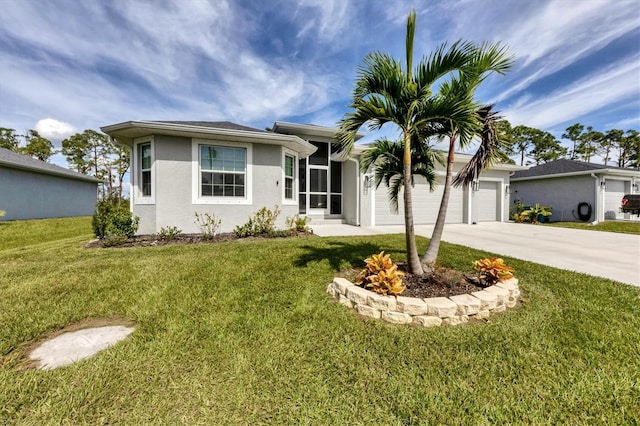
x=487, y=153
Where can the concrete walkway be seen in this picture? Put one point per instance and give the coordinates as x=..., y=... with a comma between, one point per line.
x=603, y=254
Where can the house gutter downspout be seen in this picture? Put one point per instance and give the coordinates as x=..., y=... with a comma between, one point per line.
x=597, y=200
x=355, y=160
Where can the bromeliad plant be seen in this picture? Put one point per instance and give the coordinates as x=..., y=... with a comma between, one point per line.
x=493, y=270
x=381, y=275
x=533, y=214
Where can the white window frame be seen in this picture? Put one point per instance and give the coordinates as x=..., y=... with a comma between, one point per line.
x=196, y=176
x=138, y=198
x=290, y=201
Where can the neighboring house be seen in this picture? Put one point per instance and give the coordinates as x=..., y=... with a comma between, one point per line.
x=565, y=185
x=34, y=189
x=179, y=168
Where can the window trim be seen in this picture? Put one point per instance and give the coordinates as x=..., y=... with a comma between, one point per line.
x=288, y=153
x=138, y=198
x=196, y=176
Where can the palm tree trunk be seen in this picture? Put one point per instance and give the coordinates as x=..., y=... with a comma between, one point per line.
x=413, y=259
x=431, y=255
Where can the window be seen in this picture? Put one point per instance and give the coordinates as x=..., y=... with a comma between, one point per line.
x=222, y=171
x=289, y=177
x=144, y=154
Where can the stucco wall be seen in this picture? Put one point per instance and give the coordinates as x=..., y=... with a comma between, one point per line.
x=563, y=194
x=29, y=195
x=174, y=193
x=350, y=176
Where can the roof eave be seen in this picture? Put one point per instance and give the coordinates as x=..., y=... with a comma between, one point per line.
x=127, y=131
x=615, y=172
x=309, y=130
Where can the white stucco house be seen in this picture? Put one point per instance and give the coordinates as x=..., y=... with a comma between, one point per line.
x=179, y=168
x=577, y=191
x=34, y=189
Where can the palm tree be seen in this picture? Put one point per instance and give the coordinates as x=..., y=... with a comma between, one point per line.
x=385, y=157
x=487, y=153
x=387, y=93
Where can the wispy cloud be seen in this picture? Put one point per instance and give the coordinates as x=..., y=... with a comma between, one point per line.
x=612, y=85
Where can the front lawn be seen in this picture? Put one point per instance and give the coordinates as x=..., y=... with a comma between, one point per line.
x=607, y=226
x=243, y=333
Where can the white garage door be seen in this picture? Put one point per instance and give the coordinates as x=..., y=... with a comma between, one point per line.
x=613, y=194
x=485, y=202
x=425, y=205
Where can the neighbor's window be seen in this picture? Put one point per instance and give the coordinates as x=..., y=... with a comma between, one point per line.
x=145, y=169
x=288, y=177
x=222, y=171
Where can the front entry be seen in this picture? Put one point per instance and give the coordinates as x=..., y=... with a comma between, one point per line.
x=320, y=183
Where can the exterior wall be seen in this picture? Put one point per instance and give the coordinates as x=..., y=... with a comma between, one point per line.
x=350, y=184
x=562, y=194
x=30, y=195
x=174, y=204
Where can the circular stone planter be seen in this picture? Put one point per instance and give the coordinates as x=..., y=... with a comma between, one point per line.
x=429, y=312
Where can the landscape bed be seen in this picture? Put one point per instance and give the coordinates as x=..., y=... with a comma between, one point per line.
x=242, y=332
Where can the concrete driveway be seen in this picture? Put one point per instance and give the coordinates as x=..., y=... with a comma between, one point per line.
x=603, y=254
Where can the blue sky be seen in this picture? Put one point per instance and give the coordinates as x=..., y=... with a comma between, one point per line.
x=66, y=66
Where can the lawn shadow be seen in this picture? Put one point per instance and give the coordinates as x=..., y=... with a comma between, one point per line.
x=339, y=253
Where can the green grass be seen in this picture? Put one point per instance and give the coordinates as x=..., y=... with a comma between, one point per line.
x=22, y=233
x=607, y=226
x=243, y=333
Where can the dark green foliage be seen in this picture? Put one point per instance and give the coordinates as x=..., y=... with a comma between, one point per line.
x=113, y=219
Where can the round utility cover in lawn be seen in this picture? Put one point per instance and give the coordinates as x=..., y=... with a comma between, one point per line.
x=70, y=347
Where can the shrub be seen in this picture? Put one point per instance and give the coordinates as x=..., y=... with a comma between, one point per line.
x=262, y=222
x=381, y=275
x=168, y=233
x=493, y=270
x=111, y=219
x=533, y=214
x=2, y=213
x=297, y=223
x=209, y=224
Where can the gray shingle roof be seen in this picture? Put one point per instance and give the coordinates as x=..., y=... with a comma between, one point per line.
x=214, y=124
x=18, y=161
x=560, y=167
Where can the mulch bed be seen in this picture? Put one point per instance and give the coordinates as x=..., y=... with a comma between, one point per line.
x=153, y=240
x=442, y=282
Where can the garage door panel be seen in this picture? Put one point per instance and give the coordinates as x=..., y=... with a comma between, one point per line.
x=485, y=202
x=425, y=205
x=613, y=193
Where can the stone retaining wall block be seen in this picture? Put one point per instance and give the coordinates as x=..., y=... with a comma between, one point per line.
x=467, y=304
x=411, y=305
x=396, y=317
x=367, y=311
x=427, y=321
x=358, y=295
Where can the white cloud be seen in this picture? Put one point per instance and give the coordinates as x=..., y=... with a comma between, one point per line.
x=54, y=130
x=614, y=84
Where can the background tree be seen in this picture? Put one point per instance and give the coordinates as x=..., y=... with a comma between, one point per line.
x=9, y=140
x=590, y=142
x=573, y=133
x=611, y=140
x=37, y=146
x=97, y=154
x=629, y=154
x=522, y=137
x=545, y=147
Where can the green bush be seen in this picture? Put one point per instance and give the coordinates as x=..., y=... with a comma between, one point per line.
x=262, y=222
x=112, y=219
x=168, y=233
